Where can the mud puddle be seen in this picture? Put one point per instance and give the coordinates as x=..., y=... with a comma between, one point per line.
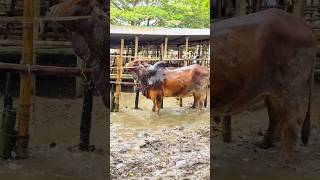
x=174, y=145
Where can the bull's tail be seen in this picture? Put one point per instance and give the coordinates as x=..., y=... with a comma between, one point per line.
x=306, y=127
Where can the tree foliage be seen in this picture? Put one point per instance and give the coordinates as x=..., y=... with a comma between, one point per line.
x=165, y=13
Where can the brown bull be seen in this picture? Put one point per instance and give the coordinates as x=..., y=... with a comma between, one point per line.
x=266, y=56
x=89, y=37
x=156, y=81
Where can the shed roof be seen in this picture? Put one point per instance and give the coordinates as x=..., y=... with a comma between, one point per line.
x=156, y=35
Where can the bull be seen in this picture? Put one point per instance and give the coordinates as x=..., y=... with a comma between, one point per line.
x=270, y=56
x=88, y=37
x=156, y=81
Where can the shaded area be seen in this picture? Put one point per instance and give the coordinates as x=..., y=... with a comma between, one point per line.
x=54, y=131
x=174, y=145
x=247, y=161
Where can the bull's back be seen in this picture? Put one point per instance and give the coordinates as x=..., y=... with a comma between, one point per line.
x=183, y=81
x=251, y=52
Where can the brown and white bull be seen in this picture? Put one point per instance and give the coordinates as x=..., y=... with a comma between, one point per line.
x=267, y=56
x=156, y=81
x=89, y=37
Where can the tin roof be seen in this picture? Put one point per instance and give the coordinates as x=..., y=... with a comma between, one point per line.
x=156, y=35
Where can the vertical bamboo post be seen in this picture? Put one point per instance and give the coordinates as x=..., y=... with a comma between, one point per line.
x=165, y=51
x=186, y=58
x=136, y=102
x=161, y=53
x=241, y=7
x=136, y=46
x=119, y=74
x=25, y=80
x=85, y=127
x=79, y=84
x=298, y=8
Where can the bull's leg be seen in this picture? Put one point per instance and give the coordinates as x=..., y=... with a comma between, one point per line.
x=158, y=103
x=154, y=105
x=194, y=101
x=274, y=119
x=294, y=114
x=101, y=82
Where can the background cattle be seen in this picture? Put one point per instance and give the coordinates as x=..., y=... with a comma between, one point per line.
x=270, y=56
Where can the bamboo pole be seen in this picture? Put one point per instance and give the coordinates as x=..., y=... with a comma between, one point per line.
x=25, y=80
x=119, y=74
x=186, y=52
x=136, y=46
x=241, y=7
x=161, y=53
x=298, y=8
x=44, y=70
x=165, y=51
x=79, y=84
x=85, y=127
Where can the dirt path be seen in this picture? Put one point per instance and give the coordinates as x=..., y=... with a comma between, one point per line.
x=54, y=130
x=241, y=159
x=174, y=145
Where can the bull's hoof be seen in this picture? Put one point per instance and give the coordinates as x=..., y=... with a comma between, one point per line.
x=264, y=145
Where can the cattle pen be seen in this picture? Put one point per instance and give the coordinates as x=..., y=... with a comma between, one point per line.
x=40, y=72
x=165, y=145
x=177, y=47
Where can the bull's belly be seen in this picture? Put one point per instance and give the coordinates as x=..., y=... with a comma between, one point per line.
x=177, y=92
x=237, y=106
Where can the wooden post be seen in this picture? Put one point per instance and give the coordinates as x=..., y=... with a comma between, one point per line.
x=226, y=132
x=79, y=82
x=85, y=126
x=165, y=51
x=241, y=7
x=25, y=80
x=218, y=6
x=298, y=8
x=136, y=46
x=161, y=53
x=119, y=74
x=136, y=102
x=186, y=58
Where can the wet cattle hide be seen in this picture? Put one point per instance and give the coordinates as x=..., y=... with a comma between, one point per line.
x=88, y=37
x=156, y=81
x=267, y=56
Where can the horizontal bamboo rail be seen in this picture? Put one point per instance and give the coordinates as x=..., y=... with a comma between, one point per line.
x=44, y=70
x=68, y=18
x=36, y=43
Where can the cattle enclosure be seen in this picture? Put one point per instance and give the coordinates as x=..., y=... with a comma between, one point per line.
x=144, y=144
x=51, y=79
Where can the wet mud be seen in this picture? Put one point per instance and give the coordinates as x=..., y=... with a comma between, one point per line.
x=54, y=133
x=242, y=159
x=174, y=145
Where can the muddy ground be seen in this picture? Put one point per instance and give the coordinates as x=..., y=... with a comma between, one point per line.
x=241, y=159
x=53, y=131
x=175, y=145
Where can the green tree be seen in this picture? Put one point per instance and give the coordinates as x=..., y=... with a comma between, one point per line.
x=165, y=13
